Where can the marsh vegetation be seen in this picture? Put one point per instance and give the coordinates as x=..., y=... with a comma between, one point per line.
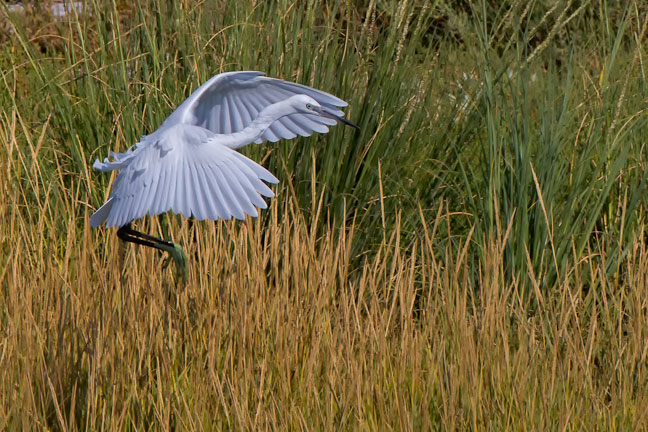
x=474, y=258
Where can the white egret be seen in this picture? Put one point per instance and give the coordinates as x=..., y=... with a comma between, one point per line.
x=189, y=164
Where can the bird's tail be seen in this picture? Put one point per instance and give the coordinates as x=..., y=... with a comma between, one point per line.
x=120, y=161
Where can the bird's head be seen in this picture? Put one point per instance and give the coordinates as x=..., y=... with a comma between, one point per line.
x=307, y=105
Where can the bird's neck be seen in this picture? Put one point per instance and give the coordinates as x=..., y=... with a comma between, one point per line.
x=256, y=129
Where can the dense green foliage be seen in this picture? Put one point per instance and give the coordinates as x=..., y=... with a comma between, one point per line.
x=525, y=115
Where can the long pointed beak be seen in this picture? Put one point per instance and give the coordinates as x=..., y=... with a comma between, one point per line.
x=324, y=112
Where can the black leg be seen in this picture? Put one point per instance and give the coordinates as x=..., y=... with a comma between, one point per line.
x=128, y=234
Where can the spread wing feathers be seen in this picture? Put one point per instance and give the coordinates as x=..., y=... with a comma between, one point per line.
x=230, y=101
x=188, y=176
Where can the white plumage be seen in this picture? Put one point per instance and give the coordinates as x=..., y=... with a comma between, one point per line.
x=189, y=165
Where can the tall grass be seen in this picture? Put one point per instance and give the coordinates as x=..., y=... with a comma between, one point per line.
x=275, y=329
x=472, y=258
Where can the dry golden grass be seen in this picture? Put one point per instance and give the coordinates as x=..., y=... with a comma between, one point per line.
x=276, y=329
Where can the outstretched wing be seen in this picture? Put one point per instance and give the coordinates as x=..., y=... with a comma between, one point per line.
x=187, y=172
x=230, y=101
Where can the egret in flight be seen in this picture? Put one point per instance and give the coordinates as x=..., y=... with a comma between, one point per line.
x=190, y=165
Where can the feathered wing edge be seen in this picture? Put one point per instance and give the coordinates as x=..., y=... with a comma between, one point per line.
x=188, y=176
x=230, y=101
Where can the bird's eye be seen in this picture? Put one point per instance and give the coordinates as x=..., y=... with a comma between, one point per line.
x=309, y=106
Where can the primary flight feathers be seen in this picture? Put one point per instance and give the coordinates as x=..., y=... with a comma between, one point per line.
x=189, y=165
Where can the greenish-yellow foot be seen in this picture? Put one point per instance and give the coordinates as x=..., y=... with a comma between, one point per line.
x=181, y=261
